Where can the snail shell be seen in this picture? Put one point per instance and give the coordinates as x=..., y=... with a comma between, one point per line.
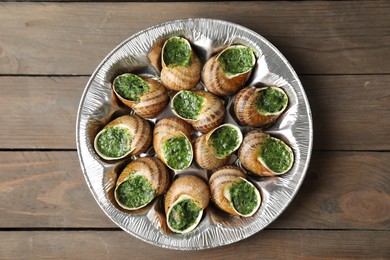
x=150, y=103
x=155, y=172
x=177, y=77
x=221, y=83
x=154, y=54
x=171, y=127
x=205, y=153
x=246, y=107
x=251, y=148
x=220, y=184
x=140, y=136
x=211, y=113
x=187, y=187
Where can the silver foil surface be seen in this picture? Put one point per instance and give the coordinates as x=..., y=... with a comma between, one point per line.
x=98, y=106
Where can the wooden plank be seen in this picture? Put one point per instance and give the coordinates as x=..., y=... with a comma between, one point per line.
x=40, y=112
x=267, y=245
x=349, y=112
x=316, y=37
x=345, y=110
x=342, y=190
x=46, y=189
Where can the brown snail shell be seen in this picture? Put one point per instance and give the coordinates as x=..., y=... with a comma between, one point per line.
x=169, y=128
x=187, y=186
x=220, y=182
x=245, y=107
x=216, y=80
x=175, y=77
x=211, y=114
x=151, y=103
x=205, y=154
x=152, y=169
x=154, y=54
x=249, y=154
x=139, y=130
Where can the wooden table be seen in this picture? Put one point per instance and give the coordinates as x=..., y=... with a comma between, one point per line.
x=341, y=51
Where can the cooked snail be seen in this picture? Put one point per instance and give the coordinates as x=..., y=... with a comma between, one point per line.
x=203, y=110
x=265, y=155
x=172, y=143
x=233, y=193
x=214, y=149
x=227, y=72
x=185, y=201
x=260, y=106
x=125, y=135
x=180, y=66
x=140, y=182
x=145, y=95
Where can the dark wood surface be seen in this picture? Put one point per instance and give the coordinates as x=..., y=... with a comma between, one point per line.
x=341, y=53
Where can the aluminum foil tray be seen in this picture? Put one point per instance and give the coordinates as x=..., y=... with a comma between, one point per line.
x=98, y=106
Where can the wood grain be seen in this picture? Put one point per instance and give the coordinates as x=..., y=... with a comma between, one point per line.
x=40, y=111
x=349, y=112
x=345, y=110
x=270, y=244
x=316, y=37
x=46, y=189
x=342, y=190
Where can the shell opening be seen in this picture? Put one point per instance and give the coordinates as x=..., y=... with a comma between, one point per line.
x=187, y=104
x=130, y=86
x=276, y=155
x=184, y=215
x=176, y=51
x=177, y=152
x=243, y=197
x=236, y=60
x=271, y=101
x=134, y=192
x=225, y=139
x=113, y=142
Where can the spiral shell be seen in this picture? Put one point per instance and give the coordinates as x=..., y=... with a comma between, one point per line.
x=250, y=150
x=187, y=187
x=176, y=77
x=211, y=114
x=218, y=82
x=245, y=107
x=167, y=128
x=204, y=156
x=151, y=103
x=220, y=182
x=205, y=153
x=155, y=172
x=140, y=136
x=154, y=54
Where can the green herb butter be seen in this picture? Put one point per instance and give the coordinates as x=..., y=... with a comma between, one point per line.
x=271, y=101
x=236, y=60
x=135, y=192
x=177, y=152
x=243, y=197
x=188, y=104
x=183, y=214
x=114, y=142
x=130, y=86
x=276, y=155
x=225, y=139
x=177, y=52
